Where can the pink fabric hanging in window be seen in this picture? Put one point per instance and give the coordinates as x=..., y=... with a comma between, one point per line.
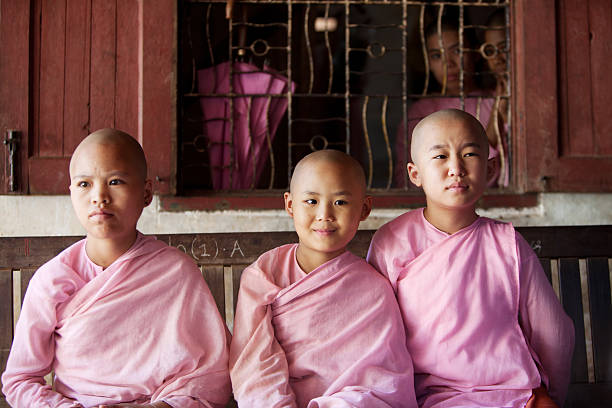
x=255, y=117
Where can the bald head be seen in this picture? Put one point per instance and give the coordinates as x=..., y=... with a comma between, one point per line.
x=350, y=168
x=128, y=147
x=445, y=121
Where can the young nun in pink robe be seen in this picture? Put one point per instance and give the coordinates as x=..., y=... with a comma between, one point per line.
x=483, y=325
x=120, y=318
x=315, y=325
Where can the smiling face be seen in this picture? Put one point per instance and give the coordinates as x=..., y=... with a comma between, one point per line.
x=450, y=161
x=327, y=201
x=450, y=58
x=108, y=188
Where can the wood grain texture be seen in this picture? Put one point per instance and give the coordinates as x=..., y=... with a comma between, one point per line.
x=77, y=71
x=601, y=317
x=52, y=76
x=15, y=86
x=103, y=64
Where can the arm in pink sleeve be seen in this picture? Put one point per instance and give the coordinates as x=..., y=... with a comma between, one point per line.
x=379, y=256
x=33, y=351
x=258, y=366
x=548, y=330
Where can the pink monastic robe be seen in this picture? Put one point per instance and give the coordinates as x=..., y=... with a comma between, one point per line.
x=330, y=338
x=483, y=324
x=237, y=158
x=479, y=107
x=145, y=329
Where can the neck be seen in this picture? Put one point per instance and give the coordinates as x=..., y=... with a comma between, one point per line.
x=450, y=220
x=311, y=260
x=104, y=252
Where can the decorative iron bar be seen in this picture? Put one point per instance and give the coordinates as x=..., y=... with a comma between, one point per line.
x=278, y=79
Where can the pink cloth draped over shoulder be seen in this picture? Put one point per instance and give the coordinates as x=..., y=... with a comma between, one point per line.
x=483, y=325
x=145, y=329
x=330, y=338
x=478, y=106
x=237, y=159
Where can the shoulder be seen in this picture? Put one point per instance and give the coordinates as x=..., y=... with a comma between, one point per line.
x=161, y=256
x=401, y=227
x=497, y=227
x=272, y=262
x=58, y=277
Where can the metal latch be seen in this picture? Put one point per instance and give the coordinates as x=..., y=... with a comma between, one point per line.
x=11, y=141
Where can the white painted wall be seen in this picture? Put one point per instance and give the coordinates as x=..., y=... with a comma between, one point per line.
x=53, y=215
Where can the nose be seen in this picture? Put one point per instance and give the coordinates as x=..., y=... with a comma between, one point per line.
x=456, y=168
x=452, y=60
x=325, y=212
x=99, y=195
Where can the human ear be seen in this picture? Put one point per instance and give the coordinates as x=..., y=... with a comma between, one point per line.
x=413, y=174
x=288, y=203
x=366, y=208
x=148, y=192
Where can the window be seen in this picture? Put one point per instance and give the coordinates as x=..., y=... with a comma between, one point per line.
x=277, y=80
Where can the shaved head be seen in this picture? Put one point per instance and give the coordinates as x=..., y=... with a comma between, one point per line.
x=444, y=120
x=129, y=147
x=350, y=167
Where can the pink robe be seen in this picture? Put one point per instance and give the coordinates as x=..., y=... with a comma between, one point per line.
x=479, y=107
x=330, y=338
x=483, y=325
x=145, y=329
x=237, y=158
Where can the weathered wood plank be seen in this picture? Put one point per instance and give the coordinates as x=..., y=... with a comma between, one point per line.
x=103, y=64
x=600, y=31
x=576, y=107
x=213, y=274
x=52, y=71
x=601, y=317
x=6, y=307
x=126, y=98
x=78, y=54
x=49, y=175
x=15, y=86
x=571, y=298
x=157, y=129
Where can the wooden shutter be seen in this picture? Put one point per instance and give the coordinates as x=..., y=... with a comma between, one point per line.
x=77, y=66
x=564, y=94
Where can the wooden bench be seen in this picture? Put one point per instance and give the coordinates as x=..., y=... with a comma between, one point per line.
x=577, y=261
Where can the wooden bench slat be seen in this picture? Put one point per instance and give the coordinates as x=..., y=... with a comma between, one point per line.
x=601, y=317
x=571, y=298
x=6, y=308
x=213, y=275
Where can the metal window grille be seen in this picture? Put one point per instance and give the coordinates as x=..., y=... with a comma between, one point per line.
x=357, y=69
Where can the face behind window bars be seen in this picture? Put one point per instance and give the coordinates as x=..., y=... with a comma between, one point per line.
x=276, y=81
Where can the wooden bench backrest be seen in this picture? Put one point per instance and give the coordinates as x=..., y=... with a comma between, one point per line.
x=577, y=261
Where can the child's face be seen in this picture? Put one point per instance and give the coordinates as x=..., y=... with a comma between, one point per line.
x=327, y=202
x=108, y=191
x=450, y=41
x=450, y=164
x=497, y=38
